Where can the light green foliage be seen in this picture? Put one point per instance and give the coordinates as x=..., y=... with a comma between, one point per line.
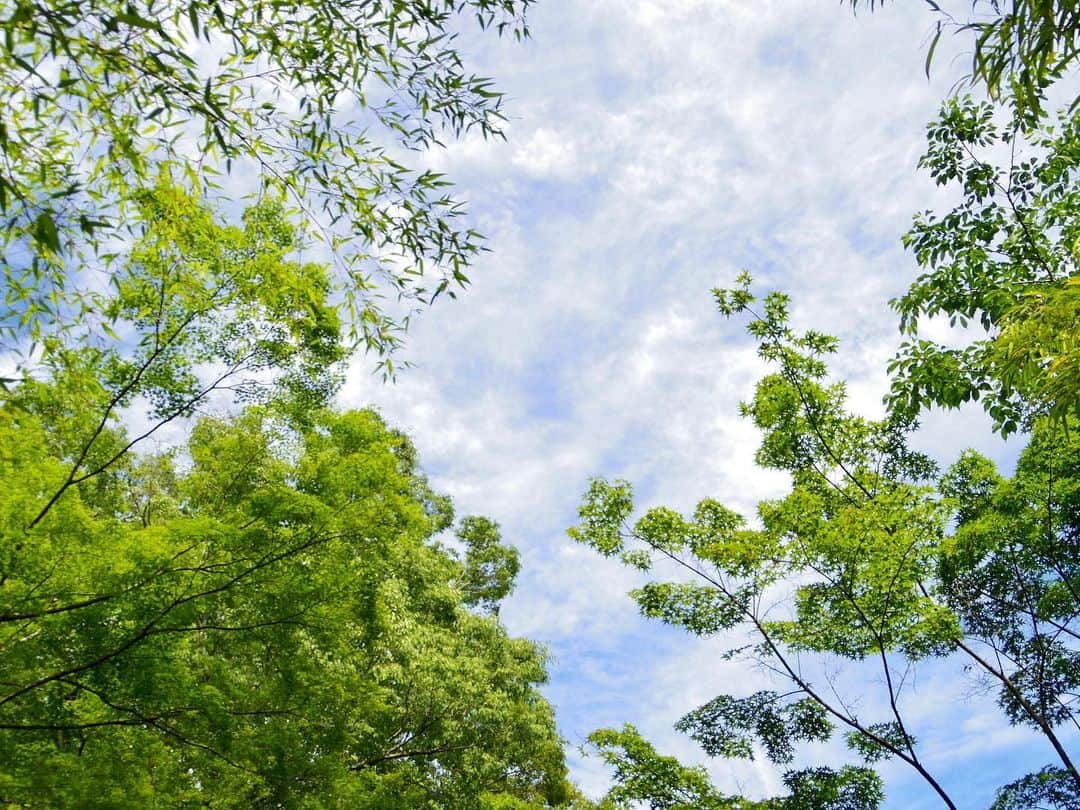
x=1012, y=571
x=1005, y=259
x=848, y=788
x=602, y=514
x=504, y=801
x=196, y=291
x=1018, y=48
x=270, y=623
x=872, y=558
x=318, y=98
x=262, y=616
x=860, y=528
x=490, y=567
x=197, y=309
x=701, y=609
x=641, y=775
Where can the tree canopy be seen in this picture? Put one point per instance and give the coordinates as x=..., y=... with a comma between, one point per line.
x=1004, y=259
x=262, y=614
x=322, y=101
x=268, y=622
x=872, y=563
x=274, y=608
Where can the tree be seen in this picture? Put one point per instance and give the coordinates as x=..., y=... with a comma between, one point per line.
x=1005, y=259
x=857, y=565
x=1010, y=573
x=259, y=616
x=1019, y=47
x=641, y=775
x=660, y=782
x=269, y=623
x=490, y=566
x=198, y=309
x=99, y=98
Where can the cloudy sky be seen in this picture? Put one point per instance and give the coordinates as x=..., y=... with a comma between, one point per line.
x=655, y=149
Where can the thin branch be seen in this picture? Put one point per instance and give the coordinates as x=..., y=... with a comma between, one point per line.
x=804, y=685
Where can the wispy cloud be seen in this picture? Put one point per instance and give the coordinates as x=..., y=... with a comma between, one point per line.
x=655, y=149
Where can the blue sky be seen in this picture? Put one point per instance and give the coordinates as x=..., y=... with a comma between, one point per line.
x=654, y=150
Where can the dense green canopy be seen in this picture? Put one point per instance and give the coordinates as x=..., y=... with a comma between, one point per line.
x=262, y=619
x=264, y=613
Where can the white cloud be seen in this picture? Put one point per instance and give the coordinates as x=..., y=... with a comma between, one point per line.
x=547, y=153
x=655, y=149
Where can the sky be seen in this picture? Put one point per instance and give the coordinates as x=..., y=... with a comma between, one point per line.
x=654, y=150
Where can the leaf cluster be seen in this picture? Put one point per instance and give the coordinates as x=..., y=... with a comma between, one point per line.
x=1018, y=48
x=270, y=623
x=1004, y=259
x=319, y=100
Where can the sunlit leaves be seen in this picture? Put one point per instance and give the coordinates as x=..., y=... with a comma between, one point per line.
x=1003, y=259
x=700, y=609
x=847, y=788
x=317, y=100
x=196, y=308
x=1010, y=571
x=490, y=566
x=641, y=774
x=603, y=512
x=269, y=622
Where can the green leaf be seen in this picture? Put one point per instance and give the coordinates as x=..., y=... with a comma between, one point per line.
x=45, y=232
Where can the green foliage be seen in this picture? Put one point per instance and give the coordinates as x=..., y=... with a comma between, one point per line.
x=873, y=560
x=1012, y=575
x=728, y=727
x=490, y=567
x=319, y=99
x=270, y=623
x=641, y=775
x=848, y=788
x=602, y=514
x=1051, y=788
x=892, y=735
x=1004, y=259
x=1018, y=48
x=198, y=309
x=701, y=609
